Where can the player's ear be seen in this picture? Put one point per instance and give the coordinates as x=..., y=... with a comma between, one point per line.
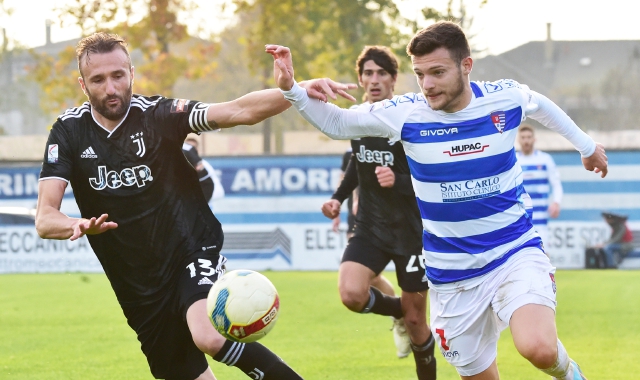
x=82, y=86
x=360, y=80
x=466, y=65
x=132, y=71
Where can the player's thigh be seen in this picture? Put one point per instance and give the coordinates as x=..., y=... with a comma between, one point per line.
x=526, y=299
x=534, y=333
x=529, y=282
x=166, y=340
x=354, y=278
x=361, y=263
x=490, y=373
x=466, y=328
x=202, y=331
x=200, y=271
x=410, y=273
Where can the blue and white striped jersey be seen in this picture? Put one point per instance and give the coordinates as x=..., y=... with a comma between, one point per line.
x=464, y=170
x=466, y=178
x=542, y=182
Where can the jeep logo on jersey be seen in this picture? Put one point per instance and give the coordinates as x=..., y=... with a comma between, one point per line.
x=137, y=175
x=382, y=157
x=461, y=150
x=438, y=132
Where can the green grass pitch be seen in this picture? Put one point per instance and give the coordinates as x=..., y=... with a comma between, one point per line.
x=69, y=326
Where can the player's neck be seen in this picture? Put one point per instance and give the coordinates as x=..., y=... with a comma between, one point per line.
x=462, y=101
x=529, y=152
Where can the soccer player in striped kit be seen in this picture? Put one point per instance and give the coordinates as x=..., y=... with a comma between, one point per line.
x=387, y=226
x=541, y=181
x=484, y=260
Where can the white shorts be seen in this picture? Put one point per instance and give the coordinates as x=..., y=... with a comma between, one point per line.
x=467, y=324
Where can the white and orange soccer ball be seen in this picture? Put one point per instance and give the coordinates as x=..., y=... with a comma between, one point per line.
x=243, y=305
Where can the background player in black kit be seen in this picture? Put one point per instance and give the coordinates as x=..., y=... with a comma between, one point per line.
x=189, y=148
x=388, y=225
x=122, y=154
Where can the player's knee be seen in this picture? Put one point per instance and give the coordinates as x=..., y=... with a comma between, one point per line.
x=209, y=343
x=414, y=320
x=355, y=299
x=540, y=353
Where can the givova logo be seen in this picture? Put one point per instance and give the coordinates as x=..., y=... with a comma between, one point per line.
x=438, y=132
x=137, y=175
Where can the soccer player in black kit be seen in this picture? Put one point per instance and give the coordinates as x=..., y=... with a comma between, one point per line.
x=143, y=211
x=388, y=226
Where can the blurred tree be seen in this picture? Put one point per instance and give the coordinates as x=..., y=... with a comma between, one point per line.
x=325, y=37
x=458, y=12
x=151, y=28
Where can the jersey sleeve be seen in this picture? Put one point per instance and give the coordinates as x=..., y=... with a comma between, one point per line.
x=179, y=117
x=341, y=124
x=541, y=109
x=57, y=161
x=349, y=182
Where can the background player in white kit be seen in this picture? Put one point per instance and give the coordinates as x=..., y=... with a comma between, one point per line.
x=541, y=181
x=483, y=257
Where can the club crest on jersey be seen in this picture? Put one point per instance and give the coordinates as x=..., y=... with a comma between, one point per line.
x=499, y=120
x=137, y=138
x=179, y=105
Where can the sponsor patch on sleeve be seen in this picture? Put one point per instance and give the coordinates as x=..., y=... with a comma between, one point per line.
x=52, y=153
x=179, y=105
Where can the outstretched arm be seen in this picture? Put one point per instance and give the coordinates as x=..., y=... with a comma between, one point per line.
x=52, y=224
x=550, y=115
x=247, y=110
x=260, y=105
x=331, y=120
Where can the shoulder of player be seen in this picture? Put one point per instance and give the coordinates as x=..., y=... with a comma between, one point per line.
x=500, y=87
x=146, y=102
x=408, y=101
x=74, y=113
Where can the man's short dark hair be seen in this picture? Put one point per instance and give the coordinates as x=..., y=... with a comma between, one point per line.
x=442, y=34
x=381, y=56
x=525, y=128
x=99, y=43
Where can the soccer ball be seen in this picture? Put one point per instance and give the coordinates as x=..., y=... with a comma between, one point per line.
x=243, y=305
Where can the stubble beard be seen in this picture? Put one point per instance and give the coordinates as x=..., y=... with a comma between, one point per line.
x=113, y=114
x=452, y=96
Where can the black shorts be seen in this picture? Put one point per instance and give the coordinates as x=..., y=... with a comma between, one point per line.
x=162, y=328
x=409, y=269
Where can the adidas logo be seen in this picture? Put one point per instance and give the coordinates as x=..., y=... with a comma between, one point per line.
x=205, y=281
x=89, y=153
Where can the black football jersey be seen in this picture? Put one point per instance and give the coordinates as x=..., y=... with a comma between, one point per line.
x=388, y=217
x=137, y=174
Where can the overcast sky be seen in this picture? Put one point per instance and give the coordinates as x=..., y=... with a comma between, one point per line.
x=500, y=26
